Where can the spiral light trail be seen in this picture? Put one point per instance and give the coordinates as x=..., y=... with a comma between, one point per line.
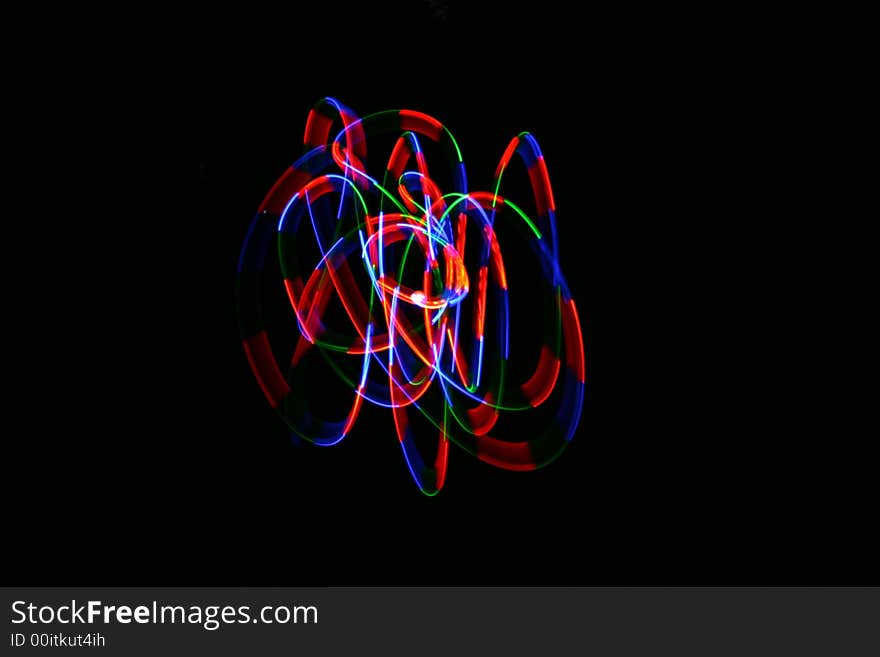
x=423, y=288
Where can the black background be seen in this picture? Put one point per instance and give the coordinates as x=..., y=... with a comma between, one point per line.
x=705, y=169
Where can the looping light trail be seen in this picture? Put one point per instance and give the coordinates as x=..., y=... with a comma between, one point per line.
x=423, y=290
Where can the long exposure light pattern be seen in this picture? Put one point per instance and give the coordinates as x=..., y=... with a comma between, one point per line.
x=423, y=289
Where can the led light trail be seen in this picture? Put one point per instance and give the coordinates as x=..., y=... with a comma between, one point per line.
x=420, y=284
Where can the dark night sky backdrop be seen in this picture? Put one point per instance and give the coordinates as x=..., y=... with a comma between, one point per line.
x=702, y=171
